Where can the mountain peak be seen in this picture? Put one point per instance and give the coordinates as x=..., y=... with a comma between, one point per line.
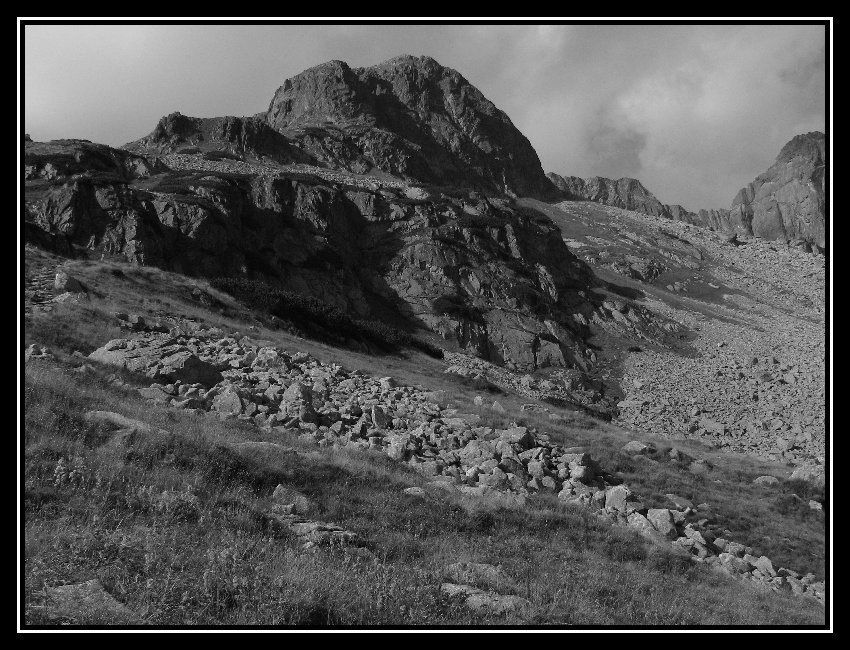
x=408, y=116
x=810, y=146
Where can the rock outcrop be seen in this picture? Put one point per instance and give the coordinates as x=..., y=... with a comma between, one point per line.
x=626, y=193
x=215, y=137
x=787, y=201
x=410, y=117
x=491, y=276
x=63, y=158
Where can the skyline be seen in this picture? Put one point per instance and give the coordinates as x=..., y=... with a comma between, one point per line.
x=693, y=111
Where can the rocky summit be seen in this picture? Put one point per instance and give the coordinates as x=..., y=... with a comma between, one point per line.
x=409, y=117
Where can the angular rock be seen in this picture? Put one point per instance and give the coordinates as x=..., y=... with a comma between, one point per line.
x=228, y=402
x=292, y=501
x=662, y=520
x=621, y=499
x=636, y=447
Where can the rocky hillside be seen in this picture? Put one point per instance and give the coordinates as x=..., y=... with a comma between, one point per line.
x=410, y=117
x=484, y=275
x=755, y=379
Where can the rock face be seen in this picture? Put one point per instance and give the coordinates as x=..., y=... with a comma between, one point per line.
x=468, y=262
x=58, y=158
x=410, y=117
x=626, y=193
x=230, y=137
x=787, y=201
x=721, y=219
x=487, y=274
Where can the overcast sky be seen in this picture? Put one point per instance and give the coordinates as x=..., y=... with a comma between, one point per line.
x=694, y=112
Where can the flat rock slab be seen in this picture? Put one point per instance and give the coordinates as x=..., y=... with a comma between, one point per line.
x=316, y=533
x=87, y=603
x=486, y=601
x=637, y=447
x=766, y=480
x=118, y=421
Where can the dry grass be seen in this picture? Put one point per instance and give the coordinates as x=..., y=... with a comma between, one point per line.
x=173, y=524
x=216, y=559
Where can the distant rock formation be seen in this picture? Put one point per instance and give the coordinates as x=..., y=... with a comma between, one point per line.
x=240, y=137
x=787, y=201
x=496, y=280
x=626, y=193
x=410, y=117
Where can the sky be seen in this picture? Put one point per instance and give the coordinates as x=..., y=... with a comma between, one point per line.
x=693, y=111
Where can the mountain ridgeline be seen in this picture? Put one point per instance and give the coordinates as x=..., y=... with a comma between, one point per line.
x=786, y=202
x=386, y=193
x=409, y=117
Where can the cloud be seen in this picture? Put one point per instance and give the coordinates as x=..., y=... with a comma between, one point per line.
x=694, y=111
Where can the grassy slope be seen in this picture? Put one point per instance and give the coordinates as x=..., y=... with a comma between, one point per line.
x=216, y=559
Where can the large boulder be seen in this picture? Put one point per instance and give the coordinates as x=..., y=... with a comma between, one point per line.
x=158, y=357
x=621, y=499
x=662, y=520
x=67, y=284
x=228, y=402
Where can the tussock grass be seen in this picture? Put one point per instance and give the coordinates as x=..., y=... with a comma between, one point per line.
x=173, y=524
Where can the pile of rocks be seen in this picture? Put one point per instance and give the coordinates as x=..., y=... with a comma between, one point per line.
x=688, y=530
x=331, y=406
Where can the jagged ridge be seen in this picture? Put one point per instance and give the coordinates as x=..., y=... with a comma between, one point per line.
x=409, y=116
